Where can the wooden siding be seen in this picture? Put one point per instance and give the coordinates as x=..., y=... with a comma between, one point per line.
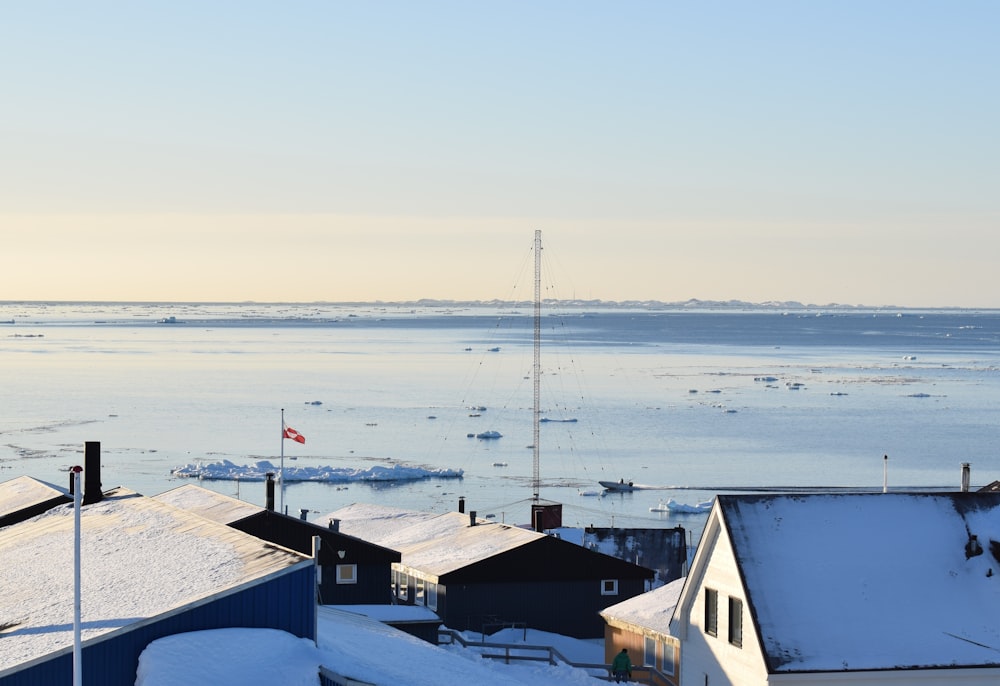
x=284, y=602
x=569, y=608
x=548, y=559
x=372, y=587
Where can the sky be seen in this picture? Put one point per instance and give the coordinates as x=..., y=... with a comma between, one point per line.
x=838, y=152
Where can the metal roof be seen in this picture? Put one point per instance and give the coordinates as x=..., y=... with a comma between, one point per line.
x=25, y=492
x=208, y=504
x=140, y=558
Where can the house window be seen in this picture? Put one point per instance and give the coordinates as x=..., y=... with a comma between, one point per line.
x=404, y=587
x=609, y=587
x=419, y=583
x=347, y=574
x=432, y=596
x=649, y=652
x=667, y=651
x=736, y=621
x=711, y=612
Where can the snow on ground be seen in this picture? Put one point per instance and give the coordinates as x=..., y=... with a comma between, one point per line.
x=355, y=646
x=226, y=470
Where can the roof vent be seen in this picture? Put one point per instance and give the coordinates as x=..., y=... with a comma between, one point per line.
x=973, y=547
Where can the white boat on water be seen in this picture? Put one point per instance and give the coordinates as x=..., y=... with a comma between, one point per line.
x=621, y=485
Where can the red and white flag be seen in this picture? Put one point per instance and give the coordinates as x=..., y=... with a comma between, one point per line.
x=291, y=433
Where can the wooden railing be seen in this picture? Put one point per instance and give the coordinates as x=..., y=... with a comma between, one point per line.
x=509, y=652
x=550, y=654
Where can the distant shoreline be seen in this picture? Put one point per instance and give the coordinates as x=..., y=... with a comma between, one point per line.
x=690, y=304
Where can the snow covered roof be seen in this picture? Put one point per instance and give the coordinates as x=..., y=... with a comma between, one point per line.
x=869, y=581
x=650, y=610
x=376, y=523
x=208, y=504
x=25, y=492
x=447, y=542
x=140, y=558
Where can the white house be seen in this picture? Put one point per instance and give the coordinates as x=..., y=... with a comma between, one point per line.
x=860, y=589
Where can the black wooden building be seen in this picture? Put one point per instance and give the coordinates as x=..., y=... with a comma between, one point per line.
x=480, y=575
x=352, y=571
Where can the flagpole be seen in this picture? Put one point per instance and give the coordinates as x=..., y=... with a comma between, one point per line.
x=281, y=472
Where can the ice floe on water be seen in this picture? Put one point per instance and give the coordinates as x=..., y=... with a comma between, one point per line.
x=226, y=470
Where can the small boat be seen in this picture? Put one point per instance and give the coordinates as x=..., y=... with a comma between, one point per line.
x=489, y=435
x=621, y=485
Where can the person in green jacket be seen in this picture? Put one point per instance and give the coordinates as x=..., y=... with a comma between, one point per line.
x=621, y=667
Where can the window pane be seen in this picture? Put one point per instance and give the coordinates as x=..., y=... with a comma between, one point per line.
x=711, y=611
x=347, y=574
x=667, y=650
x=649, y=652
x=736, y=621
x=609, y=587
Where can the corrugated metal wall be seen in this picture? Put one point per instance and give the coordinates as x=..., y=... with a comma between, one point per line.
x=286, y=602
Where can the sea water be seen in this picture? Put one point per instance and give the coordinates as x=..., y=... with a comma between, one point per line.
x=686, y=403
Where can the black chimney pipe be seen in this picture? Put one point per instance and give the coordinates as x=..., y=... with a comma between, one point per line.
x=461, y=504
x=269, y=499
x=92, y=472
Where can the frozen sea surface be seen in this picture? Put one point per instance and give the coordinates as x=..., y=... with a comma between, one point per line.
x=690, y=402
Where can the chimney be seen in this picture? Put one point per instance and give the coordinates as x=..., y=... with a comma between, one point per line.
x=334, y=524
x=472, y=517
x=92, y=472
x=269, y=490
x=461, y=504
x=303, y=514
x=966, y=473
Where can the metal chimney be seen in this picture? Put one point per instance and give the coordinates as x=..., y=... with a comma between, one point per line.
x=334, y=524
x=472, y=517
x=461, y=504
x=303, y=514
x=92, y=472
x=966, y=475
x=269, y=492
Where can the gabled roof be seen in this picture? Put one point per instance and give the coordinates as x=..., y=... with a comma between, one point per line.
x=25, y=497
x=446, y=542
x=651, y=610
x=285, y=530
x=140, y=558
x=868, y=581
x=208, y=504
x=376, y=523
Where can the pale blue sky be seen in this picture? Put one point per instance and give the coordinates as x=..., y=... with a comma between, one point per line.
x=814, y=151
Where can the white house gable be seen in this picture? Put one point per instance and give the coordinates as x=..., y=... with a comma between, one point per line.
x=718, y=642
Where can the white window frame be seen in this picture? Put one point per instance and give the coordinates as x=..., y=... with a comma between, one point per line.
x=648, y=659
x=667, y=655
x=432, y=595
x=351, y=578
x=609, y=586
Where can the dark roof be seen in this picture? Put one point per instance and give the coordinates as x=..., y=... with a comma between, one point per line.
x=268, y=525
x=448, y=548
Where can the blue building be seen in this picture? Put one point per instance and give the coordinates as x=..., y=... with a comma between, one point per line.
x=148, y=570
